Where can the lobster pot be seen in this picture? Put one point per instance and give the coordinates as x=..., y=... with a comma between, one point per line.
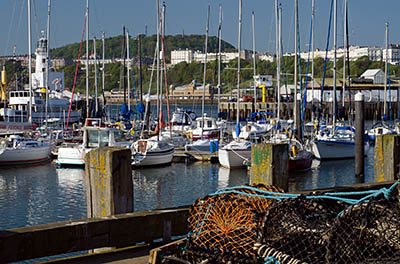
x=227, y=223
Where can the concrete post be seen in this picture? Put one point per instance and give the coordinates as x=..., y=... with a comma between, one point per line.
x=109, y=184
x=359, y=138
x=387, y=160
x=269, y=164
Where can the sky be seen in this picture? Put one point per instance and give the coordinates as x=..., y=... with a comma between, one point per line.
x=366, y=21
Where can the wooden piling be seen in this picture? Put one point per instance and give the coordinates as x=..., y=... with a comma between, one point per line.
x=387, y=160
x=109, y=184
x=269, y=164
x=359, y=137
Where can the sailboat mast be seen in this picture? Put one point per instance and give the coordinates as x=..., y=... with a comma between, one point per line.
x=296, y=112
x=386, y=69
x=278, y=57
x=219, y=55
x=205, y=72
x=334, y=65
x=312, y=54
x=30, y=59
x=254, y=57
x=47, y=62
x=128, y=70
x=344, y=52
x=238, y=72
x=87, y=58
x=103, y=67
x=140, y=68
x=158, y=57
x=95, y=76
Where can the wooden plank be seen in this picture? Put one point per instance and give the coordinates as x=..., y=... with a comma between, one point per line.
x=72, y=236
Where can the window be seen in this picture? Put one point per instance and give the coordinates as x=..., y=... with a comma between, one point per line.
x=93, y=137
x=104, y=138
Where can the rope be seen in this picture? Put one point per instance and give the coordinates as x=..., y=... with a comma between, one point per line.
x=333, y=196
x=76, y=72
x=240, y=156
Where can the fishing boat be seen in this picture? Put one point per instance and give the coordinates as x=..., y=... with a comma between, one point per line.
x=19, y=150
x=94, y=136
x=150, y=152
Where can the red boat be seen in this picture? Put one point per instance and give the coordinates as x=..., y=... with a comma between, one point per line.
x=301, y=161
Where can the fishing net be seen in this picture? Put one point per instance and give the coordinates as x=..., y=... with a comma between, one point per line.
x=261, y=224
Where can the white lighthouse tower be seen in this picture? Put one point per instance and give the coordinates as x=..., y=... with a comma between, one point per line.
x=56, y=79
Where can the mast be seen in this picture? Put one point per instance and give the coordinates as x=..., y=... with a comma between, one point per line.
x=205, y=73
x=158, y=57
x=95, y=77
x=87, y=58
x=312, y=54
x=344, y=52
x=219, y=55
x=238, y=72
x=103, y=67
x=47, y=61
x=386, y=70
x=254, y=58
x=140, y=68
x=30, y=59
x=296, y=111
x=334, y=65
x=128, y=70
x=278, y=56
x=124, y=61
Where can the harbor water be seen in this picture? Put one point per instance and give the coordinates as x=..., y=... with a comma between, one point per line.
x=43, y=194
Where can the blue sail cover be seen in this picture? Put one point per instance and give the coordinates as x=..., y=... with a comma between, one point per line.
x=237, y=129
x=124, y=109
x=141, y=108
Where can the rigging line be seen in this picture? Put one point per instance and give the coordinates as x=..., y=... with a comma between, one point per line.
x=20, y=16
x=36, y=19
x=308, y=70
x=269, y=43
x=9, y=29
x=96, y=17
x=76, y=72
x=326, y=55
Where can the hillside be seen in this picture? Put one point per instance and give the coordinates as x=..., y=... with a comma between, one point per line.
x=113, y=46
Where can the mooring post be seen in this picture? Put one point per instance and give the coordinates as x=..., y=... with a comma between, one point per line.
x=109, y=184
x=359, y=138
x=387, y=160
x=269, y=164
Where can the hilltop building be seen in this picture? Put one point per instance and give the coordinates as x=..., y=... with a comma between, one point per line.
x=189, y=56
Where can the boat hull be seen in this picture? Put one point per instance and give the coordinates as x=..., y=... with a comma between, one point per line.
x=303, y=164
x=325, y=149
x=11, y=157
x=229, y=158
x=70, y=156
x=153, y=158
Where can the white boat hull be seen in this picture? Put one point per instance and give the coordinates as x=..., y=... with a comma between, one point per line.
x=229, y=158
x=155, y=158
x=25, y=155
x=323, y=149
x=71, y=156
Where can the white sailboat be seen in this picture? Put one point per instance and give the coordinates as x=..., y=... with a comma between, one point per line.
x=335, y=142
x=238, y=152
x=155, y=151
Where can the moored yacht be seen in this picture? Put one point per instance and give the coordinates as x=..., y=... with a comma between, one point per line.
x=151, y=152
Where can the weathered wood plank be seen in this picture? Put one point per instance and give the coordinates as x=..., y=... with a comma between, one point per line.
x=71, y=236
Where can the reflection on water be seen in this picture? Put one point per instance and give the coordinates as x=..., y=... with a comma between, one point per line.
x=326, y=174
x=38, y=195
x=43, y=194
x=180, y=184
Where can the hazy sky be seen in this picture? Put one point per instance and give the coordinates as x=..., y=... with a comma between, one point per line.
x=366, y=21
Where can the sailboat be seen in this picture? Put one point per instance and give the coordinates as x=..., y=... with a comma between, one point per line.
x=334, y=142
x=237, y=153
x=154, y=151
x=381, y=127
